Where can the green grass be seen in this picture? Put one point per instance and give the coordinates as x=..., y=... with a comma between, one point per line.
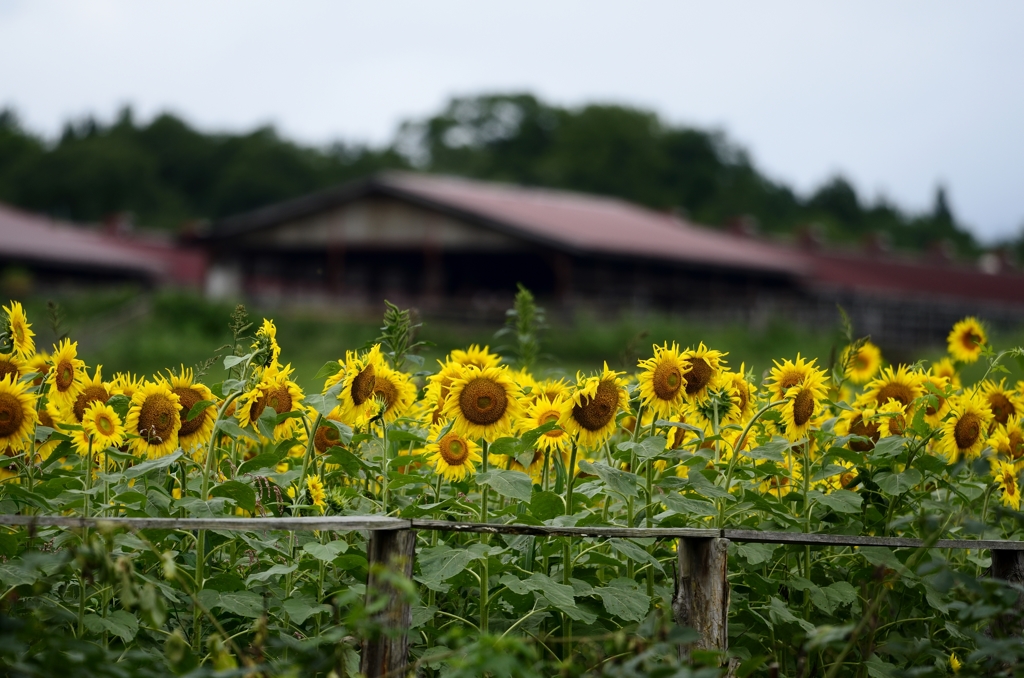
x=186, y=329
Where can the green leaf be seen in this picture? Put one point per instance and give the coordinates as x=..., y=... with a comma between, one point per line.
x=623, y=598
x=118, y=623
x=622, y=482
x=704, y=487
x=330, y=368
x=152, y=465
x=880, y=669
x=346, y=460
x=442, y=562
x=233, y=360
x=648, y=448
x=886, y=557
x=560, y=595
x=891, y=446
x=8, y=545
x=299, y=609
x=841, y=593
x=326, y=552
x=242, y=603
x=121, y=404
x=546, y=505
x=635, y=553
x=895, y=484
x=689, y=507
x=529, y=439
x=840, y=501
x=198, y=409
x=755, y=554
x=773, y=451
x=514, y=484
x=780, y=614
x=275, y=571
x=231, y=428
x=262, y=461
x=243, y=494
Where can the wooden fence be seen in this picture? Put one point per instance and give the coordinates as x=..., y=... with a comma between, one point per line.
x=701, y=601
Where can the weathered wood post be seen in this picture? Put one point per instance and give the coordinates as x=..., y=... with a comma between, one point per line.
x=386, y=650
x=1009, y=566
x=701, y=601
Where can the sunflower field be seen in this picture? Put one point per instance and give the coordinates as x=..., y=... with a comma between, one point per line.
x=857, y=447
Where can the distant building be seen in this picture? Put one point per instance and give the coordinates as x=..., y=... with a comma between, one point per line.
x=458, y=247
x=51, y=253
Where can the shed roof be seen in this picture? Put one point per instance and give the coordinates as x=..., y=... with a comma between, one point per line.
x=37, y=239
x=573, y=222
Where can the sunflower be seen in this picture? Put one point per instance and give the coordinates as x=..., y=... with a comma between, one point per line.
x=356, y=395
x=483, y=403
x=38, y=364
x=438, y=386
x=1006, y=476
x=274, y=390
x=18, y=416
x=859, y=421
x=802, y=403
x=327, y=433
x=396, y=390
x=194, y=433
x=526, y=383
x=93, y=390
x=863, y=364
x=475, y=356
x=553, y=389
x=946, y=368
x=125, y=383
x=745, y=392
x=48, y=417
x=21, y=332
x=1008, y=439
x=702, y=366
x=966, y=339
x=66, y=375
x=11, y=366
x=544, y=411
x=892, y=418
x=662, y=386
x=266, y=348
x=153, y=417
x=101, y=423
x=315, y=489
x=900, y=384
x=963, y=431
x=787, y=374
x=723, y=401
x=453, y=455
x=935, y=413
x=595, y=402
x=1004, y=402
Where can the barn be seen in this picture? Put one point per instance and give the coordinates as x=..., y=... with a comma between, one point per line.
x=455, y=247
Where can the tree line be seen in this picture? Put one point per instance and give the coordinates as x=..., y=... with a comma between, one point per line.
x=167, y=173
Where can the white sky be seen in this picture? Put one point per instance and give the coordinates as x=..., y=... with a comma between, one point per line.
x=897, y=96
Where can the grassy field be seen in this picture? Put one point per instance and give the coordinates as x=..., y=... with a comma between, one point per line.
x=127, y=330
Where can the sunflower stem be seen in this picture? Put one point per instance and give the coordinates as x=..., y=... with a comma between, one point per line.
x=567, y=545
x=484, y=565
x=736, y=453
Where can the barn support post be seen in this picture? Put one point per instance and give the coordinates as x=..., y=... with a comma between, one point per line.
x=1009, y=566
x=385, y=650
x=701, y=600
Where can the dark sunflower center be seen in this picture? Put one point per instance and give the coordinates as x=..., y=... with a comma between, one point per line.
x=11, y=415
x=594, y=413
x=867, y=429
x=385, y=388
x=899, y=392
x=156, y=419
x=89, y=395
x=1001, y=407
x=699, y=376
x=930, y=411
x=65, y=375
x=967, y=431
x=897, y=424
x=1016, y=444
x=803, y=407
x=1010, y=484
x=483, y=401
x=45, y=419
x=280, y=399
x=8, y=368
x=788, y=381
x=971, y=341
x=846, y=479
x=362, y=385
x=327, y=436
x=744, y=396
x=860, y=362
x=667, y=381
x=187, y=398
x=453, y=449
x=104, y=425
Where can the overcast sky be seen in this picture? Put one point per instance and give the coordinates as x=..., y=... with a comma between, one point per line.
x=897, y=96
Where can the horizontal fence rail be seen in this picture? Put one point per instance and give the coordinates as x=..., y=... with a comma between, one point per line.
x=701, y=600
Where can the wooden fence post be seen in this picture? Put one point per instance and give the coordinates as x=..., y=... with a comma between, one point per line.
x=386, y=650
x=1009, y=566
x=701, y=601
